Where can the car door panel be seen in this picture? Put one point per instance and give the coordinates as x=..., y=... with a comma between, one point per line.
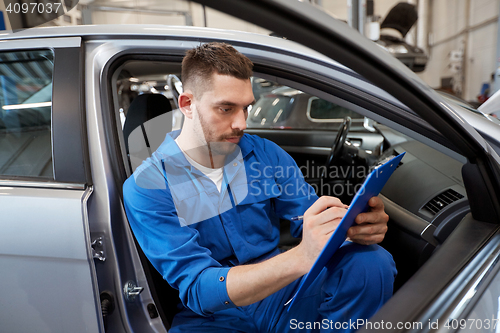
x=428, y=296
x=48, y=273
x=46, y=266
x=122, y=269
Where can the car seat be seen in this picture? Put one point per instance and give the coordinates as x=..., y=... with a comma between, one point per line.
x=148, y=119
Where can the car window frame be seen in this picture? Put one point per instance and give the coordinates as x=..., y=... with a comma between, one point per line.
x=70, y=161
x=359, y=101
x=392, y=118
x=283, y=72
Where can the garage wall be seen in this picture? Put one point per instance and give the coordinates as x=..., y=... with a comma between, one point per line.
x=171, y=12
x=469, y=26
x=466, y=26
x=111, y=17
x=481, y=55
x=339, y=7
x=443, y=39
x=137, y=12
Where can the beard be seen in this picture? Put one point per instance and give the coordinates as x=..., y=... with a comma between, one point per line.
x=221, y=148
x=217, y=144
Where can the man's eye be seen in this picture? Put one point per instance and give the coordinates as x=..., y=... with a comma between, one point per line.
x=225, y=109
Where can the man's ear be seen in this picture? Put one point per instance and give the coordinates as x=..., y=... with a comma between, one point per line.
x=185, y=104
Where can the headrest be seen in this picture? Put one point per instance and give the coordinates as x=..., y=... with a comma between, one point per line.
x=143, y=108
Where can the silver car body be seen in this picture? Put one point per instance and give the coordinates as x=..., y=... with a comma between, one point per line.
x=63, y=243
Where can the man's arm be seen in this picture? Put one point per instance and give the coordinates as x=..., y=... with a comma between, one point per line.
x=172, y=247
x=251, y=283
x=247, y=284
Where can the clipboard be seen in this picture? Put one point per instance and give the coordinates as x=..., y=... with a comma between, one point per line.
x=371, y=187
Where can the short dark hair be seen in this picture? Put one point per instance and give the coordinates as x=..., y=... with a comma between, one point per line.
x=201, y=62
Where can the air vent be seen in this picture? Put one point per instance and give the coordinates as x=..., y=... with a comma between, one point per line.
x=436, y=204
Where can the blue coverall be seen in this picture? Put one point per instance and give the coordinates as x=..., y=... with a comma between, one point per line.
x=193, y=234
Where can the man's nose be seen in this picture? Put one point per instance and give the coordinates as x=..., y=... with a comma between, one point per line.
x=240, y=121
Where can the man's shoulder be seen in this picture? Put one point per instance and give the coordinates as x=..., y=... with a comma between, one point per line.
x=147, y=176
x=260, y=143
x=265, y=151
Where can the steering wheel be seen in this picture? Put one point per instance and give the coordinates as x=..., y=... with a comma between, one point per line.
x=338, y=145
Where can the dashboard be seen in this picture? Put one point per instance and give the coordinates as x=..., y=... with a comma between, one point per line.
x=425, y=199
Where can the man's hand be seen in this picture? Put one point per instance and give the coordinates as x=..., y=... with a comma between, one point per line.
x=320, y=221
x=323, y=217
x=247, y=284
x=371, y=226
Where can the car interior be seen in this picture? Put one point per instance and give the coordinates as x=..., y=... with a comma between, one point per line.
x=333, y=142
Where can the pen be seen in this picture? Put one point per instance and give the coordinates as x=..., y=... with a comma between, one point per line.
x=301, y=217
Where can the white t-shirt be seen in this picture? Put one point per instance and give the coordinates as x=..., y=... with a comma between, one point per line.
x=216, y=175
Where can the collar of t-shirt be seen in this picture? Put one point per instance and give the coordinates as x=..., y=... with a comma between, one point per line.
x=216, y=175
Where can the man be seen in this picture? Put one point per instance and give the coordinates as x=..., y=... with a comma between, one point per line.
x=205, y=209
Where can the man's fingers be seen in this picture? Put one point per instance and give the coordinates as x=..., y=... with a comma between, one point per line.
x=326, y=229
x=325, y=222
x=365, y=230
x=323, y=203
x=371, y=226
x=332, y=213
x=372, y=217
x=323, y=217
x=376, y=213
x=368, y=233
x=368, y=239
x=376, y=203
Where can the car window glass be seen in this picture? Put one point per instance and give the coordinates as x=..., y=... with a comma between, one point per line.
x=25, y=114
x=282, y=107
x=271, y=109
x=320, y=110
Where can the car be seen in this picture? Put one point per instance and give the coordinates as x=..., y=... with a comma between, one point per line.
x=412, y=56
x=288, y=108
x=394, y=29
x=69, y=259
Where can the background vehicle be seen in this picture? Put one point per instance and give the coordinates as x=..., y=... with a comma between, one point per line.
x=77, y=267
x=394, y=29
x=288, y=108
